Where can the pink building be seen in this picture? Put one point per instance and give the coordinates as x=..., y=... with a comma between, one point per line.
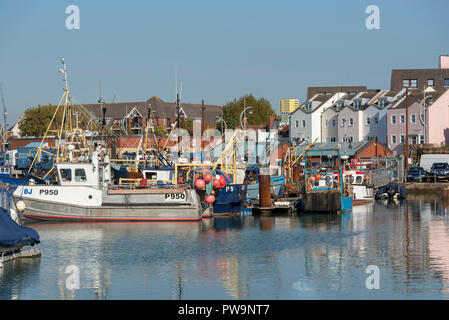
x=428, y=121
x=438, y=119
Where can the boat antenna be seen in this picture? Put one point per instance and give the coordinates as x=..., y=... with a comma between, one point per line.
x=4, y=119
x=63, y=70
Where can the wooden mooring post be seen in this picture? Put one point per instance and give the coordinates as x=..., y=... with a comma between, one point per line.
x=264, y=191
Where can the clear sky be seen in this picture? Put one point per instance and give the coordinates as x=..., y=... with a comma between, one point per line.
x=221, y=49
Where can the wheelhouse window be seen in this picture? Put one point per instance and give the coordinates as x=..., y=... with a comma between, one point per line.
x=151, y=175
x=66, y=174
x=80, y=175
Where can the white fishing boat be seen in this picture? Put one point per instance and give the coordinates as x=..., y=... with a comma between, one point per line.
x=362, y=189
x=84, y=193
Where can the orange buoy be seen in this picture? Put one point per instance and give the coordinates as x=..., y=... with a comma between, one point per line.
x=317, y=176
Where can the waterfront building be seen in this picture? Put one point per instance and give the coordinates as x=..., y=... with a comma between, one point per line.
x=350, y=117
x=305, y=122
x=329, y=124
x=428, y=120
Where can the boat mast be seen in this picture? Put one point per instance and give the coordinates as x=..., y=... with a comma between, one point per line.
x=4, y=120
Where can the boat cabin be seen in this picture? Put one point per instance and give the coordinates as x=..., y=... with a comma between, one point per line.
x=159, y=174
x=83, y=174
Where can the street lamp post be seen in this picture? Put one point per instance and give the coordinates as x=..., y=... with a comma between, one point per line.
x=244, y=113
x=220, y=119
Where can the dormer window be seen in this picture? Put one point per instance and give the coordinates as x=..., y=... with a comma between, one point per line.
x=308, y=106
x=340, y=103
x=382, y=102
x=357, y=103
x=410, y=83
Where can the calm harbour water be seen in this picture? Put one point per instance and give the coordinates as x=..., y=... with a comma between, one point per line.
x=301, y=257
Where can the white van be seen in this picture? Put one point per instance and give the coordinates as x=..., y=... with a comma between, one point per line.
x=428, y=159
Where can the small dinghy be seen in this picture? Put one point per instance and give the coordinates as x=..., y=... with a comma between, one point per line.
x=391, y=190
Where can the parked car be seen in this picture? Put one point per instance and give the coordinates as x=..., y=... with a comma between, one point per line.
x=416, y=174
x=439, y=171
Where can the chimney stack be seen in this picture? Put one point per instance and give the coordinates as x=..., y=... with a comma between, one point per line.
x=203, y=118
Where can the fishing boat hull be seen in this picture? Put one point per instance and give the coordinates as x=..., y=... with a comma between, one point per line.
x=92, y=204
x=326, y=202
x=230, y=199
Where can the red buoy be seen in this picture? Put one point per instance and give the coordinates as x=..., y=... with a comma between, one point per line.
x=210, y=198
x=207, y=177
x=222, y=182
x=216, y=183
x=200, y=184
x=143, y=182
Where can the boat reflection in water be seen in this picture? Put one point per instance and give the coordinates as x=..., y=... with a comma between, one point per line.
x=318, y=256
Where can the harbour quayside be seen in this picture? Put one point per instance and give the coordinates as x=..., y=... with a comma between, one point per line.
x=83, y=189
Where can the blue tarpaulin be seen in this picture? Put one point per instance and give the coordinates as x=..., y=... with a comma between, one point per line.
x=11, y=233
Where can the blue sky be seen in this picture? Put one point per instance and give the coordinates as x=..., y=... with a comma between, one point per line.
x=221, y=49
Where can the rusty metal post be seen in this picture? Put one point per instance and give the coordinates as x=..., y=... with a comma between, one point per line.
x=296, y=174
x=264, y=188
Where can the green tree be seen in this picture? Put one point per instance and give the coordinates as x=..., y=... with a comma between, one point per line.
x=160, y=131
x=188, y=125
x=35, y=121
x=261, y=110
